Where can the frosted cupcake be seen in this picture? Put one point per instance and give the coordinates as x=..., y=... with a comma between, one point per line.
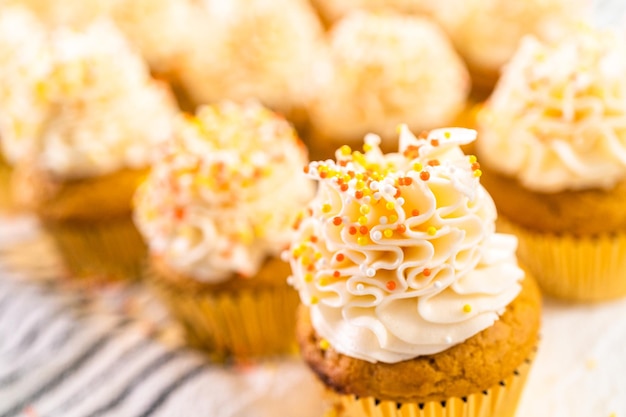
x=216, y=211
x=260, y=49
x=553, y=139
x=333, y=10
x=487, y=32
x=413, y=305
x=102, y=115
x=383, y=70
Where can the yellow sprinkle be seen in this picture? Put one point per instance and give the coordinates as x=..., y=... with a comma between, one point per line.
x=417, y=166
x=367, y=147
x=364, y=209
x=362, y=240
x=345, y=150
x=360, y=185
x=314, y=300
x=473, y=159
x=478, y=173
x=305, y=260
x=398, y=128
x=362, y=220
x=318, y=256
x=326, y=207
x=388, y=233
x=324, y=345
x=308, y=277
x=359, y=176
x=393, y=218
x=467, y=308
x=432, y=230
x=323, y=281
x=447, y=135
x=390, y=205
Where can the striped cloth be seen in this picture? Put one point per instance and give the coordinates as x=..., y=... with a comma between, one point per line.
x=110, y=351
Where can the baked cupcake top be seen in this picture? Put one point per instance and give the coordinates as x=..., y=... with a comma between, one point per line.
x=398, y=256
x=223, y=195
x=260, y=49
x=557, y=119
x=24, y=63
x=385, y=69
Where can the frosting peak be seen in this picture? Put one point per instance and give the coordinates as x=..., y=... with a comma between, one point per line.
x=225, y=192
x=557, y=118
x=398, y=256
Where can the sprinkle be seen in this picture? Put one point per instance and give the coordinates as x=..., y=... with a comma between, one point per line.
x=475, y=166
x=432, y=230
x=401, y=228
x=326, y=207
x=446, y=135
x=437, y=284
x=408, y=180
x=358, y=194
x=324, y=345
x=336, y=274
x=370, y=272
x=448, y=339
x=397, y=194
x=473, y=159
x=367, y=147
x=377, y=235
x=434, y=142
x=374, y=185
x=179, y=213
x=388, y=233
x=308, y=277
x=360, y=287
x=344, y=187
x=364, y=209
x=367, y=199
x=424, y=175
x=417, y=167
x=401, y=201
x=363, y=230
x=359, y=185
x=390, y=205
x=391, y=285
x=467, y=308
x=318, y=256
x=313, y=239
x=415, y=212
x=345, y=150
x=393, y=218
x=340, y=257
x=478, y=173
x=314, y=300
x=382, y=219
x=362, y=240
x=352, y=230
x=362, y=220
x=423, y=134
x=433, y=162
x=426, y=272
x=306, y=169
x=337, y=221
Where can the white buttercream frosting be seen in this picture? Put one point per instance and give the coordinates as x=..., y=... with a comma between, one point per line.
x=399, y=256
x=557, y=118
x=382, y=70
x=224, y=194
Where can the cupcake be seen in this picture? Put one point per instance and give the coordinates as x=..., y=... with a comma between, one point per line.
x=382, y=70
x=101, y=115
x=216, y=212
x=487, y=32
x=553, y=140
x=259, y=49
x=334, y=10
x=412, y=304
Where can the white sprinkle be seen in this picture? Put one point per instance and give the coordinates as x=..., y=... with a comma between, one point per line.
x=367, y=199
x=290, y=280
x=448, y=339
x=377, y=195
x=374, y=185
x=284, y=256
x=345, y=219
x=370, y=272
x=400, y=201
x=348, y=200
x=377, y=235
x=383, y=220
x=389, y=189
x=360, y=287
x=363, y=268
x=437, y=284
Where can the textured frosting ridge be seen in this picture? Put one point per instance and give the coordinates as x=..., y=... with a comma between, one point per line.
x=398, y=256
x=223, y=195
x=557, y=118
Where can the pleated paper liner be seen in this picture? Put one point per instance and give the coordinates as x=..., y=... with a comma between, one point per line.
x=103, y=250
x=237, y=324
x=500, y=400
x=589, y=268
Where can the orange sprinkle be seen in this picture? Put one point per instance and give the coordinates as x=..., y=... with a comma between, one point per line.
x=313, y=239
x=340, y=257
x=391, y=285
x=397, y=194
x=358, y=194
x=363, y=230
x=425, y=175
x=433, y=162
x=343, y=187
x=423, y=134
x=408, y=180
x=352, y=230
x=434, y=142
x=426, y=272
x=401, y=228
x=179, y=213
x=415, y=212
x=323, y=174
x=475, y=166
x=337, y=221
x=306, y=169
x=336, y=274
x=351, y=174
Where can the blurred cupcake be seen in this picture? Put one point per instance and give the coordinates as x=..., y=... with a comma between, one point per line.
x=260, y=49
x=216, y=211
x=101, y=116
x=383, y=70
x=23, y=64
x=553, y=143
x=413, y=305
x=333, y=10
x=487, y=32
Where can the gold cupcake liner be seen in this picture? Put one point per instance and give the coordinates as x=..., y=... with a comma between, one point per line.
x=500, y=400
x=587, y=268
x=235, y=324
x=103, y=250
